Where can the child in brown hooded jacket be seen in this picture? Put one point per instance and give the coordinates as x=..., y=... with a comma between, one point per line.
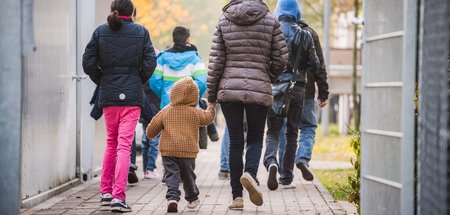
x=179, y=123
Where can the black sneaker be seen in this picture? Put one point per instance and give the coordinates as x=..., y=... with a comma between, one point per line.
x=272, y=182
x=105, y=199
x=118, y=205
x=307, y=175
x=132, y=178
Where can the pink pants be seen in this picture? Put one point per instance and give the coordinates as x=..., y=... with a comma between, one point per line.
x=120, y=123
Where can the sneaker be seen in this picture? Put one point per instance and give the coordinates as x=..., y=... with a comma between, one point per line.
x=105, y=199
x=272, y=182
x=237, y=204
x=224, y=175
x=251, y=186
x=307, y=175
x=132, y=178
x=151, y=174
x=172, y=206
x=289, y=186
x=193, y=204
x=118, y=205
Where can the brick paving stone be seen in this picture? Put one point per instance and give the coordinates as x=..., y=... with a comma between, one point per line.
x=148, y=197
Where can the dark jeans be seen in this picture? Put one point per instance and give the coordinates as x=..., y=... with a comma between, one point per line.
x=179, y=170
x=274, y=125
x=234, y=116
x=133, y=166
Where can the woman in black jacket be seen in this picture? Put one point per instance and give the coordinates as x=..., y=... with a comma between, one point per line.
x=119, y=59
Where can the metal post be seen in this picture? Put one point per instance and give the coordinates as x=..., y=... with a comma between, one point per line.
x=326, y=54
x=408, y=125
x=85, y=124
x=10, y=106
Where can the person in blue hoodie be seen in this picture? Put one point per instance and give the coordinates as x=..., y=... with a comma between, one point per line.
x=182, y=60
x=302, y=58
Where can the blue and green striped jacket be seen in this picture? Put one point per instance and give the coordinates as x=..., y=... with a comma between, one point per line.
x=175, y=64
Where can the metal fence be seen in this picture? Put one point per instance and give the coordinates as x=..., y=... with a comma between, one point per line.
x=433, y=134
x=387, y=114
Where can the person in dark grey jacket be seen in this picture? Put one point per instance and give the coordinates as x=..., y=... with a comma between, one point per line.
x=119, y=58
x=300, y=44
x=308, y=123
x=248, y=53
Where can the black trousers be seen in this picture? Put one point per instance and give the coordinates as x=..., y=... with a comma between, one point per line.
x=274, y=125
x=180, y=170
x=256, y=118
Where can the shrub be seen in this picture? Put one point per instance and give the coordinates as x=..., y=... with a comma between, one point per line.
x=355, y=180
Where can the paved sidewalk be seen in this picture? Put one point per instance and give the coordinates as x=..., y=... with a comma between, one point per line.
x=148, y=197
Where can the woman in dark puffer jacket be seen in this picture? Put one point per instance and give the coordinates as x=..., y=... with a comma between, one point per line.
x=248, y=52
x=119, y=58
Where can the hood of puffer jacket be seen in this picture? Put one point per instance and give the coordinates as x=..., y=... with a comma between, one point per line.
x=245, y=12
x=184, y=93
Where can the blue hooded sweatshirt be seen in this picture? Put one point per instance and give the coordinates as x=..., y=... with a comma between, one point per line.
x=174, y=64
x=288, y=8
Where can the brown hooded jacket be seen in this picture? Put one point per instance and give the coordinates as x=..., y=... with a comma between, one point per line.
x=179, y=122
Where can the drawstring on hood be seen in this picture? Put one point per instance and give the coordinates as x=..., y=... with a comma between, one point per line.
x=184, y=93
x=289, y=8
x=245, y=12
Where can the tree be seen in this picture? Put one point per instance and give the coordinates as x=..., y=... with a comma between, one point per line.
x=356, y=111
x=160, y=17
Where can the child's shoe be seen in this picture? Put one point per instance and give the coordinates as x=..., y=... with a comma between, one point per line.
x=105, y=199
x=172, y=206
x=118, y=205
x=193, y=204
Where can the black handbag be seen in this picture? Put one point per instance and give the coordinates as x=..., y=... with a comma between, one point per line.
x=282, y=94
x=283, y=86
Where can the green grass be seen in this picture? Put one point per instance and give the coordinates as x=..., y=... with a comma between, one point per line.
x=336, y=181
x=333, y=147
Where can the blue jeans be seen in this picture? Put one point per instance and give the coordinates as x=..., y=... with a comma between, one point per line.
x=225, y=152
x=308, y=126
x=149, y=151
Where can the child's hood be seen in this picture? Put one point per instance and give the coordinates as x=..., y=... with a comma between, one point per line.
x=178, y=60
x=184, y=93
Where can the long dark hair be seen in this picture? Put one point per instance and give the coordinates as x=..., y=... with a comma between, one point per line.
x=119, y=8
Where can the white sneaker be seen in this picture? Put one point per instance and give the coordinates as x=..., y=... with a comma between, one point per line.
x=289, y=186
x=151, y=174
x=193, y=204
